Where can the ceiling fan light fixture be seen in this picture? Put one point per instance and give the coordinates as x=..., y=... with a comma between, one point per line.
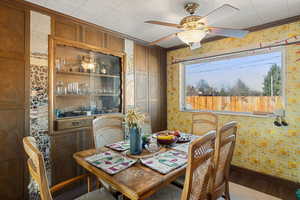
x=195, y=28
x=191, y=36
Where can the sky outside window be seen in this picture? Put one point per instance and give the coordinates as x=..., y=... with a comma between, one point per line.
x=225, y=73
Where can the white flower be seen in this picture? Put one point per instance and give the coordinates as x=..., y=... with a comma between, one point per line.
x=134, y=118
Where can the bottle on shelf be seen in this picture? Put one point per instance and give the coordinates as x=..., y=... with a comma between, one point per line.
x=97, y=68
x=57, y=65
x=103, y=68
x=63, y=64
x=73, y=88
x=60, y=88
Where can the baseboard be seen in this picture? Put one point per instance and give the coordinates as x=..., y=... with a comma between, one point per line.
x=268, y=177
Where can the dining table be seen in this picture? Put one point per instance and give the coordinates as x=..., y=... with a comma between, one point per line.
x=136, y=182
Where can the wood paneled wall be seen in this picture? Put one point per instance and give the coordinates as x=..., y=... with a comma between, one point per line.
x=150, y=83
x=150, y=92
x=141, y=77
x=14, y=37
x=68, y=29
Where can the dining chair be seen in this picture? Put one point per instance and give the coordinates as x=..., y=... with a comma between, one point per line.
x=197, y=174
x=224, y=147
x=203, y=122
x=37, y=171
x=108, y=129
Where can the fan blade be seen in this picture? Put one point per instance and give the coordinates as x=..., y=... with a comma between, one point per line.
x=163, y=38
x=164, y=24
x=228, y=32
x=218, y=13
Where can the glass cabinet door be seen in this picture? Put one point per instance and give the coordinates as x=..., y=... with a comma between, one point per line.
x=86, y=83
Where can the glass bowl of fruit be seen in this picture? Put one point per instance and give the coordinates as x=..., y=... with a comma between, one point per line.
x=166, y=138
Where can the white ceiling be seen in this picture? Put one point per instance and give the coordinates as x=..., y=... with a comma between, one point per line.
x=128, y=16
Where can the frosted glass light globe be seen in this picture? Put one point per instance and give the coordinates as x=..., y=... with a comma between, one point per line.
x=191, y=36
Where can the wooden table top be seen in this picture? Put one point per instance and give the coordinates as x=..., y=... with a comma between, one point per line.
x=136, y=182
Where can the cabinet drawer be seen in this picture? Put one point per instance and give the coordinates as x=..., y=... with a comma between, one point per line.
x=72, y=123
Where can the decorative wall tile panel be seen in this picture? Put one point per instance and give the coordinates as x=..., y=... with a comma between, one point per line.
x=129, y=74
x=39, y=31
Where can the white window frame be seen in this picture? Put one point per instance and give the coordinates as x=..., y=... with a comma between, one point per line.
x=182, y=94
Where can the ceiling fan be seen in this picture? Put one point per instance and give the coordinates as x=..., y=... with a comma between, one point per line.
x=195, y=28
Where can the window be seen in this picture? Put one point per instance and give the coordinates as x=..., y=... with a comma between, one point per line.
x=248, y=83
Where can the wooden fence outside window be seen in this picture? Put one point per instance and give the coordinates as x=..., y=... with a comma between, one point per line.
x=250, y=104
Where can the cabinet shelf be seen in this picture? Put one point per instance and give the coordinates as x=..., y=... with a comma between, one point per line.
x=88, y=95
x=88, y=74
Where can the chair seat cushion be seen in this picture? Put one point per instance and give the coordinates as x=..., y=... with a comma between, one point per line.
x=100, y=194
x=169, y=192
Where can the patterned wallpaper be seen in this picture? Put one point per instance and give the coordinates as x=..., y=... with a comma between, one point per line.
x=261, y=146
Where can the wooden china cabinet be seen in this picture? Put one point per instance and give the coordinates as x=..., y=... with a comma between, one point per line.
x=84, y=82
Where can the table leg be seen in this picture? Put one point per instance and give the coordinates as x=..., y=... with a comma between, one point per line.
x=89, y=183
x=98, y=184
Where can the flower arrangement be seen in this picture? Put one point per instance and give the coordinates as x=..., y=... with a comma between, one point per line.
x=134, y=119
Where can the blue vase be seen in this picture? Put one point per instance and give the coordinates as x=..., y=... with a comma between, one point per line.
x=135, y=141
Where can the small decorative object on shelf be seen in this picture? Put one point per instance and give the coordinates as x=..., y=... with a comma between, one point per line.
x=88, y=63
x=134, y=121
x=103, y=68
x=60, y=64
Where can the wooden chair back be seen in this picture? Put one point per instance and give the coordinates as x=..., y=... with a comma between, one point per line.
x=36, y=167
x=199, y=167
x=107, y=129
x=224, y=147
x=203, y=122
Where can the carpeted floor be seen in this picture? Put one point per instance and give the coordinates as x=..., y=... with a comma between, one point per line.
x=239, y=192
x=244, y=186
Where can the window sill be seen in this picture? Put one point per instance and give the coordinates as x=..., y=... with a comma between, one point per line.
x=231, y=113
